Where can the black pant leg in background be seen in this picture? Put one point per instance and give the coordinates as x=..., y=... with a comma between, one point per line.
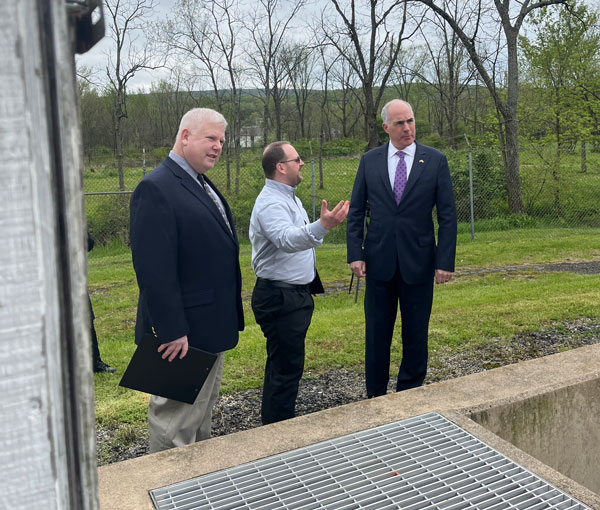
x=284, y=316
x=95, y=349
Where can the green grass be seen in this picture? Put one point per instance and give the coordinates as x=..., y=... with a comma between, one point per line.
x=470, y=310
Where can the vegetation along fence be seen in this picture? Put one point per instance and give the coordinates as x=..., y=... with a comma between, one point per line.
x=558, y=188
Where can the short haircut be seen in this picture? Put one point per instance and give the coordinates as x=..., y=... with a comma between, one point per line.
x=384, y=110
x=272, y=155
x=195, y=117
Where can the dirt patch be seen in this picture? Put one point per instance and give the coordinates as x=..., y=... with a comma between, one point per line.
x=587, y=267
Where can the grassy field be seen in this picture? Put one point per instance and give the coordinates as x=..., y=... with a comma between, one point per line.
x=473, y=308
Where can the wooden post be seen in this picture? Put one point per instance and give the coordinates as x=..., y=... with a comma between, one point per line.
x=47, y=440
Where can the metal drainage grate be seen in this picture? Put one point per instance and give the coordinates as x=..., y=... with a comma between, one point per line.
x=422, y=462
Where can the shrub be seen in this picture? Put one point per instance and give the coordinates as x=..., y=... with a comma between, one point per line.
x=109, y=220
x=489, y=193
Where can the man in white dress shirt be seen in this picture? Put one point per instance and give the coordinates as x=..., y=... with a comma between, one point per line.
x=283, y=258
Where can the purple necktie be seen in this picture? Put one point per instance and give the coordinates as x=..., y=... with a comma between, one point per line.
x=400, y=179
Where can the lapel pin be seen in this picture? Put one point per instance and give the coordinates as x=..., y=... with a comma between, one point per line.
x=421, y=161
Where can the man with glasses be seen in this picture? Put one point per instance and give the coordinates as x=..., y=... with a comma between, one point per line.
x=283, y=259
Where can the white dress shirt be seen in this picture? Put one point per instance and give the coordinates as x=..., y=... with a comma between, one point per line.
x=282, y=238
x=409, y=157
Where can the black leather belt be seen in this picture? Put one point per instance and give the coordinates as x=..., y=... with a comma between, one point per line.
x=281, y=285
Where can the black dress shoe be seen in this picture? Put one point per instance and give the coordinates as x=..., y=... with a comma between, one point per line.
x=100, y=366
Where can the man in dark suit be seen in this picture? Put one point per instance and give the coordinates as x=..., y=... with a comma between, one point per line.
x=185, y=254
x=396, y=188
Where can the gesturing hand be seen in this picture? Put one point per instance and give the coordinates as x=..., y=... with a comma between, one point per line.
x=172, y=349
x=333, y=218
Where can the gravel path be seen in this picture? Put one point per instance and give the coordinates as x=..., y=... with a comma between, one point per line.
x=241, y=411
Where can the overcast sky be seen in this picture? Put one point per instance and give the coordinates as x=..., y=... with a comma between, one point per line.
x=96, y=58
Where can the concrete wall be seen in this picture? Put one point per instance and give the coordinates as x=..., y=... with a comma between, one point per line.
x=560, y=427
x=125, y=485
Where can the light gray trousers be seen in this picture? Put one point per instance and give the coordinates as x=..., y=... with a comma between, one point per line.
x=172, y=423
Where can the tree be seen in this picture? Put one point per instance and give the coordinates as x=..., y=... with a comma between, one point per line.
x=126, y=20
x=206, y=35
x=561, y=46
x=300, y=61
x=96, y=126
x=447, y=71
x=410, y=65
x=510, y=18
x=327, y=61
x=563, y=64
x=170, y=101
x=345, y=101
x=267, y=26
x=374, y=38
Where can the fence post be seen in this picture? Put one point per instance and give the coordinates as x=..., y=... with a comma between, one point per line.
x=312, y=164
x=471, y=189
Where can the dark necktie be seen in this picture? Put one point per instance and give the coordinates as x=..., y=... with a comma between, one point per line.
x=214, y=199
x=400, y=178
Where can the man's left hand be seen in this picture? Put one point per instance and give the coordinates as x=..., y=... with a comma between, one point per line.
x=442, y=276
x=170, y=350
x=333, y=218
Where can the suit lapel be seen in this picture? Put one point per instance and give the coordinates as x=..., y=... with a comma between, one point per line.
x=225, y=208
x=195, y=189
x=419, y=164
x=382, y=165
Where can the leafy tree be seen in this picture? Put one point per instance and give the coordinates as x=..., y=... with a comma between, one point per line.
x=562, y=58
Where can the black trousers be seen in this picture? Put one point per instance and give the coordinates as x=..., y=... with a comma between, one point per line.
x=284, y=315
x=95, y=351
x=381, y=306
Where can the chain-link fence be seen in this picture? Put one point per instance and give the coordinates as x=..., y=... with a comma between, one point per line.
x=557, y=189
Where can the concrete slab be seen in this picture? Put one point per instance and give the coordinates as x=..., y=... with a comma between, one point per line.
x=125, y=485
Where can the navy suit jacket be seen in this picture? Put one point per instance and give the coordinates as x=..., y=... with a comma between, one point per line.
x=402, y=236
x=186, y=262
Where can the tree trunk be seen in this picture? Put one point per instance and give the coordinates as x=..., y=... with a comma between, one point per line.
x=266, y=120
x=119, y=147
x=512, y=173
x=509, y=113
x=370, y=117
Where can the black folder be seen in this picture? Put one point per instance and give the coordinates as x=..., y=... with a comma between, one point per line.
x=180, y=379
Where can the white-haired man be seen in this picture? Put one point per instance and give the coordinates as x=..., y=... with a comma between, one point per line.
x=185, y=254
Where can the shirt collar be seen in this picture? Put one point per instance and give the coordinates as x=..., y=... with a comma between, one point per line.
x=280, y=186
x=409, y=151
x=182, y=162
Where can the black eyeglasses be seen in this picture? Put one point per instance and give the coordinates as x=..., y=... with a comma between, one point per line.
x=297, y=160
